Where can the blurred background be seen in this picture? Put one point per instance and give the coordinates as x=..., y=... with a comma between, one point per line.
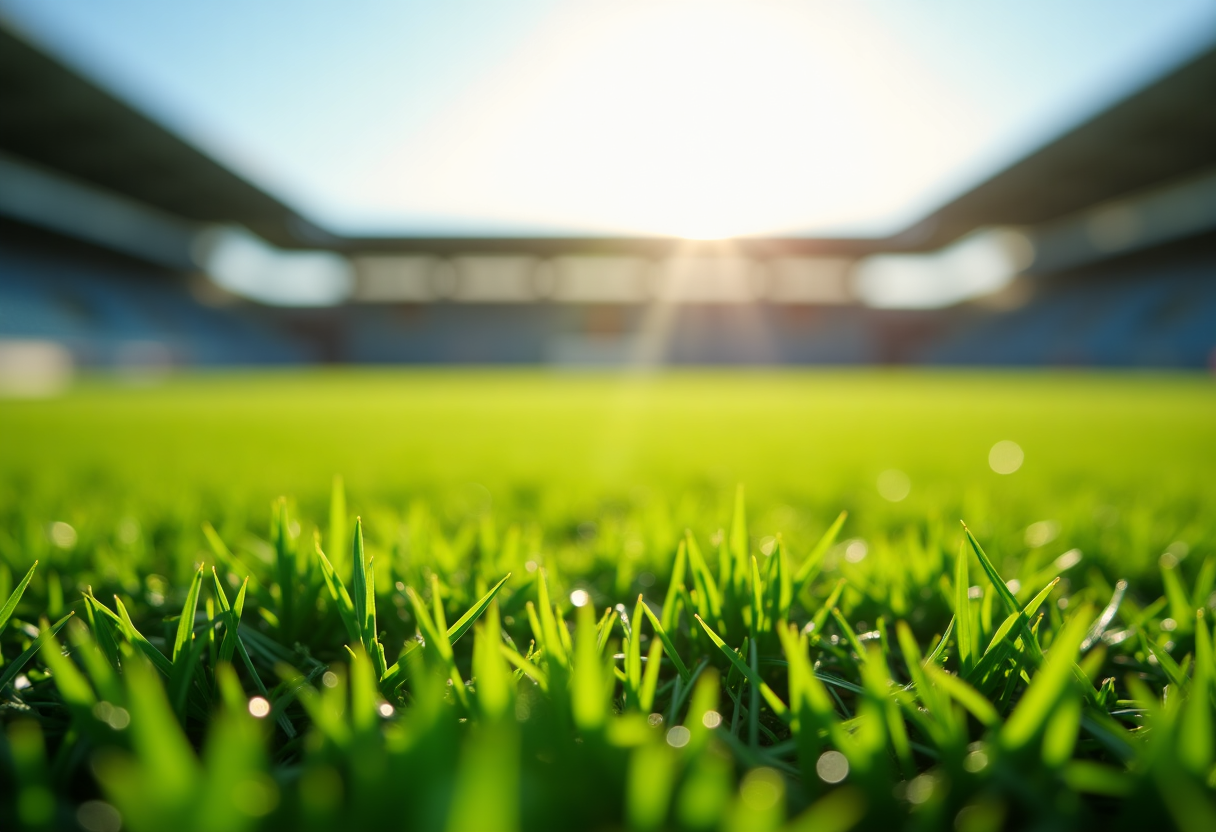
x=604, y=184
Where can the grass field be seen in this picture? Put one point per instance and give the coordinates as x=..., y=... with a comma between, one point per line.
x=889, y=672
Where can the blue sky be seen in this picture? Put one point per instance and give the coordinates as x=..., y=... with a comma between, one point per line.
x=705, y=119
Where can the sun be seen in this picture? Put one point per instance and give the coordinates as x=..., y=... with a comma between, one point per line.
x=701, y=120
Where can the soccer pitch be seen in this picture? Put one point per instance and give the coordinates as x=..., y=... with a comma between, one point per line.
x=787, y=666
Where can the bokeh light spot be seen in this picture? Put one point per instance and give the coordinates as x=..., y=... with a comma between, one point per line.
x=894, y=485
x=832, y=767
x=678, y=736
x=1006, y=457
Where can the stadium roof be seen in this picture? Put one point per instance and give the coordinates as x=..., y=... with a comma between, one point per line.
x=58, y=119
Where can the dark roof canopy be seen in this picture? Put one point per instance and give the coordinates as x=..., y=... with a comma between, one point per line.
x=57, y=119
x=1164, y=132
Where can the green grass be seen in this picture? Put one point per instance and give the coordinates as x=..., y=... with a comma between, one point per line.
x=742, y=661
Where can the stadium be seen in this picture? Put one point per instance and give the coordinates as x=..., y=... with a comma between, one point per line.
x=703, y=324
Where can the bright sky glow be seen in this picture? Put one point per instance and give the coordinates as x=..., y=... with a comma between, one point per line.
x=702, y=119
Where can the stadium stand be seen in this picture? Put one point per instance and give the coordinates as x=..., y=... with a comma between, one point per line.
x=103, y=213
x=114, y=311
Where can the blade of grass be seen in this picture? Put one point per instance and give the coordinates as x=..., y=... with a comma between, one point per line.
x=962, y=611
x=839, y=811
x=530, y=670
x=849, y=635
x=673, y=587
x=821, y=615
x=965, y=695
x=394, y=676
x=998, y=583
x=589, y=704
x=285, y=566
x=650, y=677
x=810, y=566
x=493, y=677
x=1060, y=733
x=185, y=624
x=939, y=650
x=1182, y=610
x=14, y=667
x=1007, y=597
x=605, y=628
x=782, y=586
x=363, y=590
x=282, y=719
x=223, y=554
x=337, y=533
x=105, y=626
x=465, y=621
x=738, y=541
x=231, y=614
x=136, y=638
x=75, y=690
x=101, y=672
x=757, y=601
x=182, y=677
x=703, y=579
x=1195, y=738
x=1108, y=615
x=1046, y=687
x=661, y=632
x=436, y=637
x=342, y=600
x=633, y=657
x=552, y=640
x=753, y=705
x=744, y=668
x=998, y=648
x=6, y=612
